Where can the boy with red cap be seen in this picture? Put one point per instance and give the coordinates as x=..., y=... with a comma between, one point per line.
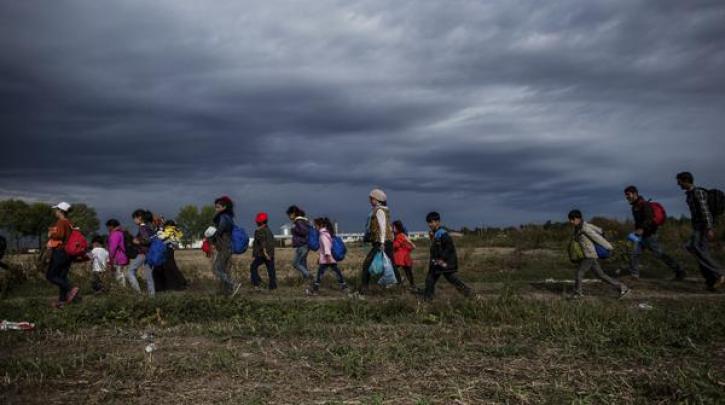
x=263, y=252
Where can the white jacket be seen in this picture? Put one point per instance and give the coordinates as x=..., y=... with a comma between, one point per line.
x=589, y=234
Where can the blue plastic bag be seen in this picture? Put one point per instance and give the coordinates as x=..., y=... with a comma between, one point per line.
x=388, y=276
x=377, y=266
x=602, y=252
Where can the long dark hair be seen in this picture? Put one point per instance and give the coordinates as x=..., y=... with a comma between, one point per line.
x=227, y=203
x=297, y=211
x=324, y=222
x=146, y=216
x=400, y=227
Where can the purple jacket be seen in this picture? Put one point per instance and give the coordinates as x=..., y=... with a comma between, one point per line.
x=299, y=232
x=117, y=248
x=145, y=233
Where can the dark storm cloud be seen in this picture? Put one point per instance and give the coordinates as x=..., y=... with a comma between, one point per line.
x=511, y=111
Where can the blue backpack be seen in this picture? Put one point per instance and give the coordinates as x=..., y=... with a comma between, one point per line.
x=156, y=255
x=313, y=238
x=240, y=240
x=339, y=250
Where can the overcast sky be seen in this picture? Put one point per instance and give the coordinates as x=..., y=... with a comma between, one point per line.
x=492, y=112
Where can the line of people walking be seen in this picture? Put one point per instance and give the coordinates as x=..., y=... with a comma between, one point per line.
x=150, y=251
x=589, y=244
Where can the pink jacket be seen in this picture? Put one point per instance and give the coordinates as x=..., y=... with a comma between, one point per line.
x=117, y=249
x=326, y=247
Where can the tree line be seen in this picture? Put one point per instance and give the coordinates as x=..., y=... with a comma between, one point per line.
x=21, y=220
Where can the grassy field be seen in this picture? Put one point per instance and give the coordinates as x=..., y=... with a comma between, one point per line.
x=519, y=340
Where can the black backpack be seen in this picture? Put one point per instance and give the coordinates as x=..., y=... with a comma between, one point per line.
x=129, y=248
x=716, y=202
x=3, y=246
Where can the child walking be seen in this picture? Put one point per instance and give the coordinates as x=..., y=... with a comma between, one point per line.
x=299, y=240
x=327, y=262
x=586, y=235
x=117, y=255
x=263, y=252
x=443, y=259
x=220, y=237
x=99, y=257
x=402, y=249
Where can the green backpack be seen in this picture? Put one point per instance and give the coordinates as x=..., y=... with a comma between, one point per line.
x=576, y=253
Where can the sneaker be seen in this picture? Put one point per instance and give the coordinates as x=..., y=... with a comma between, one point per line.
x=719, y=283
x=57, y=304
x=576, y=296
x=236, y=289
x=310, y=291
x=72, y=295
x=635, y=276
x=624, y=292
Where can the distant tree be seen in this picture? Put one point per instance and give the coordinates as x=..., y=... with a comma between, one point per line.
x=206, y=217
x=13, y=214
x=85, y=218
x=187, y=220
x=39, y=216
x=194, y=221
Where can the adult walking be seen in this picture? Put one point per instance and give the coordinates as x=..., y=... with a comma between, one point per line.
x=703, y=230
x=60, y=263
x=144, y=220
x=300, y=229
x=3, y=248
x=220, y=236
x=168, y=276
x=646, y=230
x=378, y=232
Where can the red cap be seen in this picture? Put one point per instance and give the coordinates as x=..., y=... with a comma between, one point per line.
x=261, y=217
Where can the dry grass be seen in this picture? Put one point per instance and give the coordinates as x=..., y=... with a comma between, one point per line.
x=519, y=341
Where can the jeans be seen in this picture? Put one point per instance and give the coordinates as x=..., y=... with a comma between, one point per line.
x=269, y=264
x=118, y=272
x=699, y=247
x=321, y=272
x=432, y=279
x=96, y=281
x=650, y=243
x=58, y=272
x=369, y=259
x=136, y=264
x=593, y=264
x=300, y=260
x=220, y=267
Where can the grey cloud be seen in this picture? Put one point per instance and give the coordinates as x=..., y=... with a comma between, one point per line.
x=514, y=111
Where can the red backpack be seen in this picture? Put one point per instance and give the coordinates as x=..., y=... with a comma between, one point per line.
x=659, y=215
x=76, y=245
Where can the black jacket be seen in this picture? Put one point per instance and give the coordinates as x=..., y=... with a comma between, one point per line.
x=442, y=248
x=644, y=217
x=700, y=215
